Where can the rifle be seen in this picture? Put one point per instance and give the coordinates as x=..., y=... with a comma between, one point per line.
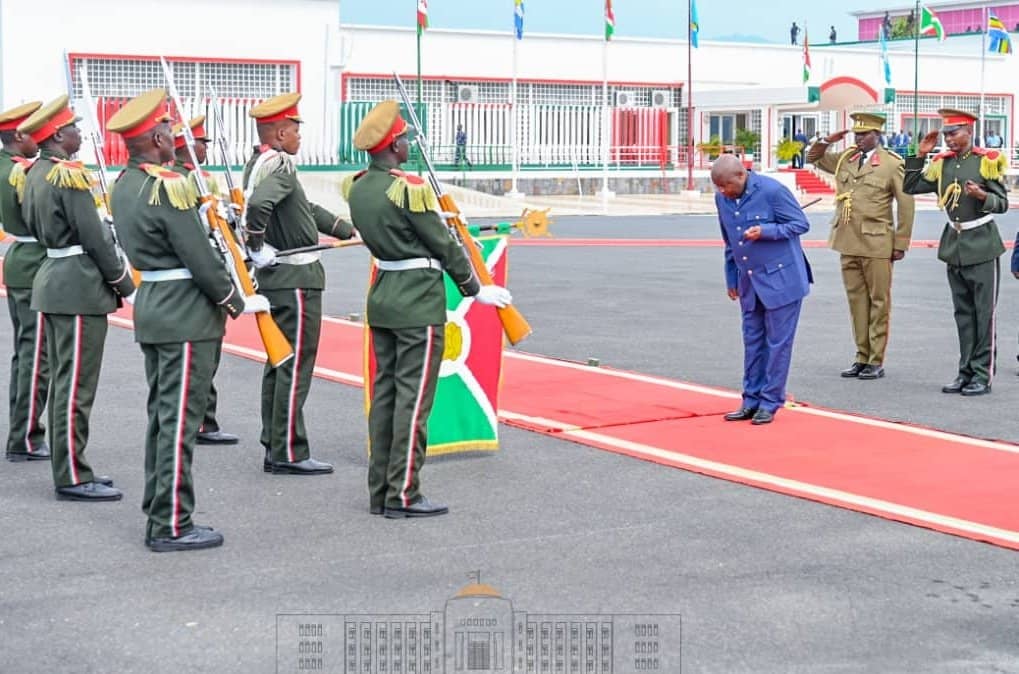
x=501, y=228
x=514, y=324
x=235, y=191
x=277, y=348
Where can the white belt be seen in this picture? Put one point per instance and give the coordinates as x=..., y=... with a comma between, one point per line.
x=970, y=224
x=300, y=258
x=157, y=275
x=69, y=251
x=409, y=263
x=25, y=239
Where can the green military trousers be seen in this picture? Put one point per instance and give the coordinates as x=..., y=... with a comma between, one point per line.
x=209, y=422
x=30, y=374
x=178, y=375
x=974, y=295
x=298, y=312
x=74, y=345
x=407, y=373
x=868, y=282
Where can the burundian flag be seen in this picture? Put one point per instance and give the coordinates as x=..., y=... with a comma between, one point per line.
x=610, y=21
x=930, y=24
x=422, y=15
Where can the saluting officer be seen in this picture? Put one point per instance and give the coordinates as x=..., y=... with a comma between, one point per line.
x=179, y=315
x=866, y=233
x=279, y=216
x=969, y=182
x=26, y=433
x=209, y=433
x=82, y=279
x=395, y=214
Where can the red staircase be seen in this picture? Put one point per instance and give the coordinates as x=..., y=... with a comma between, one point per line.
x=808, y=182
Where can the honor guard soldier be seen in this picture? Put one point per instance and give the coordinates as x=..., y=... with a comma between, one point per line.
x=83, y=278
x=969, y=182
x=26, y=433
x=279, y=216
x=179, y=315
x=395, y=214
x=865, y=231
x=209, y=433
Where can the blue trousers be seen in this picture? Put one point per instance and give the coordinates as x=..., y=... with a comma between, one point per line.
x=767, y=351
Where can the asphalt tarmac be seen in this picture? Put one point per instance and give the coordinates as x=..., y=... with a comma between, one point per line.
x=761, y=582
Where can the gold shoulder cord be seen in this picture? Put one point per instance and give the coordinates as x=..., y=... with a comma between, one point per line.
x=844, y=198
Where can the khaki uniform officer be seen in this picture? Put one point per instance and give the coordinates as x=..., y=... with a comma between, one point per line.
x=969, y=182
x=866, y=232
x=395, y=215
x=82, y=279
x=209, y=433
x=179, y=315
x=278, y=216
x=26, y=433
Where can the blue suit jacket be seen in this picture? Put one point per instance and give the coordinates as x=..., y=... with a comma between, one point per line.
x=773, y=268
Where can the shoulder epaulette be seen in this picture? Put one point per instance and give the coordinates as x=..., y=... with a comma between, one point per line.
x=18, y=174
x=178, y=191
x=894, y=156
x=69, y=174
x=993, y=164
x=348, y=182
x=411, y=192
x=210, y=182
x=933, y=171
x=274, y=162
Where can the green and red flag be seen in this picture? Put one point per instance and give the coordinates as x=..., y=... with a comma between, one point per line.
x=610, y=21
x=464, y=416
x=930, y=24
x=422, y=15
x=806, y=58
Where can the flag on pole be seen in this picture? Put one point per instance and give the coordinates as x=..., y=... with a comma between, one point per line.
x=806, y=58
x=422, y=15
x=885, y=65
x=930, y=24
x=996, y=31
x=695, y=24
x=610, y=21
x=518, y=18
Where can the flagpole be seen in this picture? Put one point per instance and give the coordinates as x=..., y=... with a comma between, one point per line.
x=514, y=147
x=916, y=80
x=983, y=60
x=689, y=96
x=419, y=111
x=605, y=123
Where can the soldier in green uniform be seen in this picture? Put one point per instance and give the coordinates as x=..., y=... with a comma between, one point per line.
x=82, y=279
x=395, y=214
x=209, y=433
x=866, y=232
x=969, y=182
x=26, y=433
x=179, y=315
x=278, y=216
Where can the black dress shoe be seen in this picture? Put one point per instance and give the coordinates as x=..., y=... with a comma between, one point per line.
x=742, y=414
x=853, y=370
x=376, y=510
x=975, y=388
x=762, y=417
x=89, y=491
x=871, y=372
x=39, y=453
x=217, y=437
x=307, y=467
x=105, y=480
x=197, y=538
x=956, y=386
x=148, y=541
x=423, y=508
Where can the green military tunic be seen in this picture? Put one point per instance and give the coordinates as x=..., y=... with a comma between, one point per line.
x=865, y=232
x=406, y=312
x=279, y=211
x=81, y=281
x=179, y=323
x=29, y=367
x=970, y=245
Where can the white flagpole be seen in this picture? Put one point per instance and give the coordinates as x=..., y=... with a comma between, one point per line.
x=605, y=124
x=982, y=134
x=515, y=120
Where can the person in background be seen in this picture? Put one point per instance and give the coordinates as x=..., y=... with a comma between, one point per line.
x=833, y=36
x=794, y=33
x=802, y=139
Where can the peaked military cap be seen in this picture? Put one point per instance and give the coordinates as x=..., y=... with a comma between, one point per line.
x=197, y=125
x=142, y=113
x=49, y=119
x=277, y=109
x=867, y=121
x=10, y=119
x=380, y=127
x=952, y=119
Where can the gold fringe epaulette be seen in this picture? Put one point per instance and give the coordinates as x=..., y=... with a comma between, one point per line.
x=348, y=182
x=933, y=170
x=411, y=192
x=18, y=174
x=69, y=175
x=210, y=181
x=178, y=190
x=993, y=165
x=279, y=162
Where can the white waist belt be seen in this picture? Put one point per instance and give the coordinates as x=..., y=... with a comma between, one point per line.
x=300, y=258
x=69, y=251
x=157, y=275
x=970, y=224
x=25, y=239
x=409, y=263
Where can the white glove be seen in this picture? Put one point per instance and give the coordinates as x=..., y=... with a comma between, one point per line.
x=130, y=298
x=493, y=295
x=256, y=304
x=263, y=257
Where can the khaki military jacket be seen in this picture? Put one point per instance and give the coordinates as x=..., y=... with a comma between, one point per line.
x=864, y=224
x=23, y=258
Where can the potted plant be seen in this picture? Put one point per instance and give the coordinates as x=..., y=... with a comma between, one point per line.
x=786, y=150
x=712, y=148
x=748, y=140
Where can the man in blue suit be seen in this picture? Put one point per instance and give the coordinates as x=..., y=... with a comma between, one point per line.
x=766, y=269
